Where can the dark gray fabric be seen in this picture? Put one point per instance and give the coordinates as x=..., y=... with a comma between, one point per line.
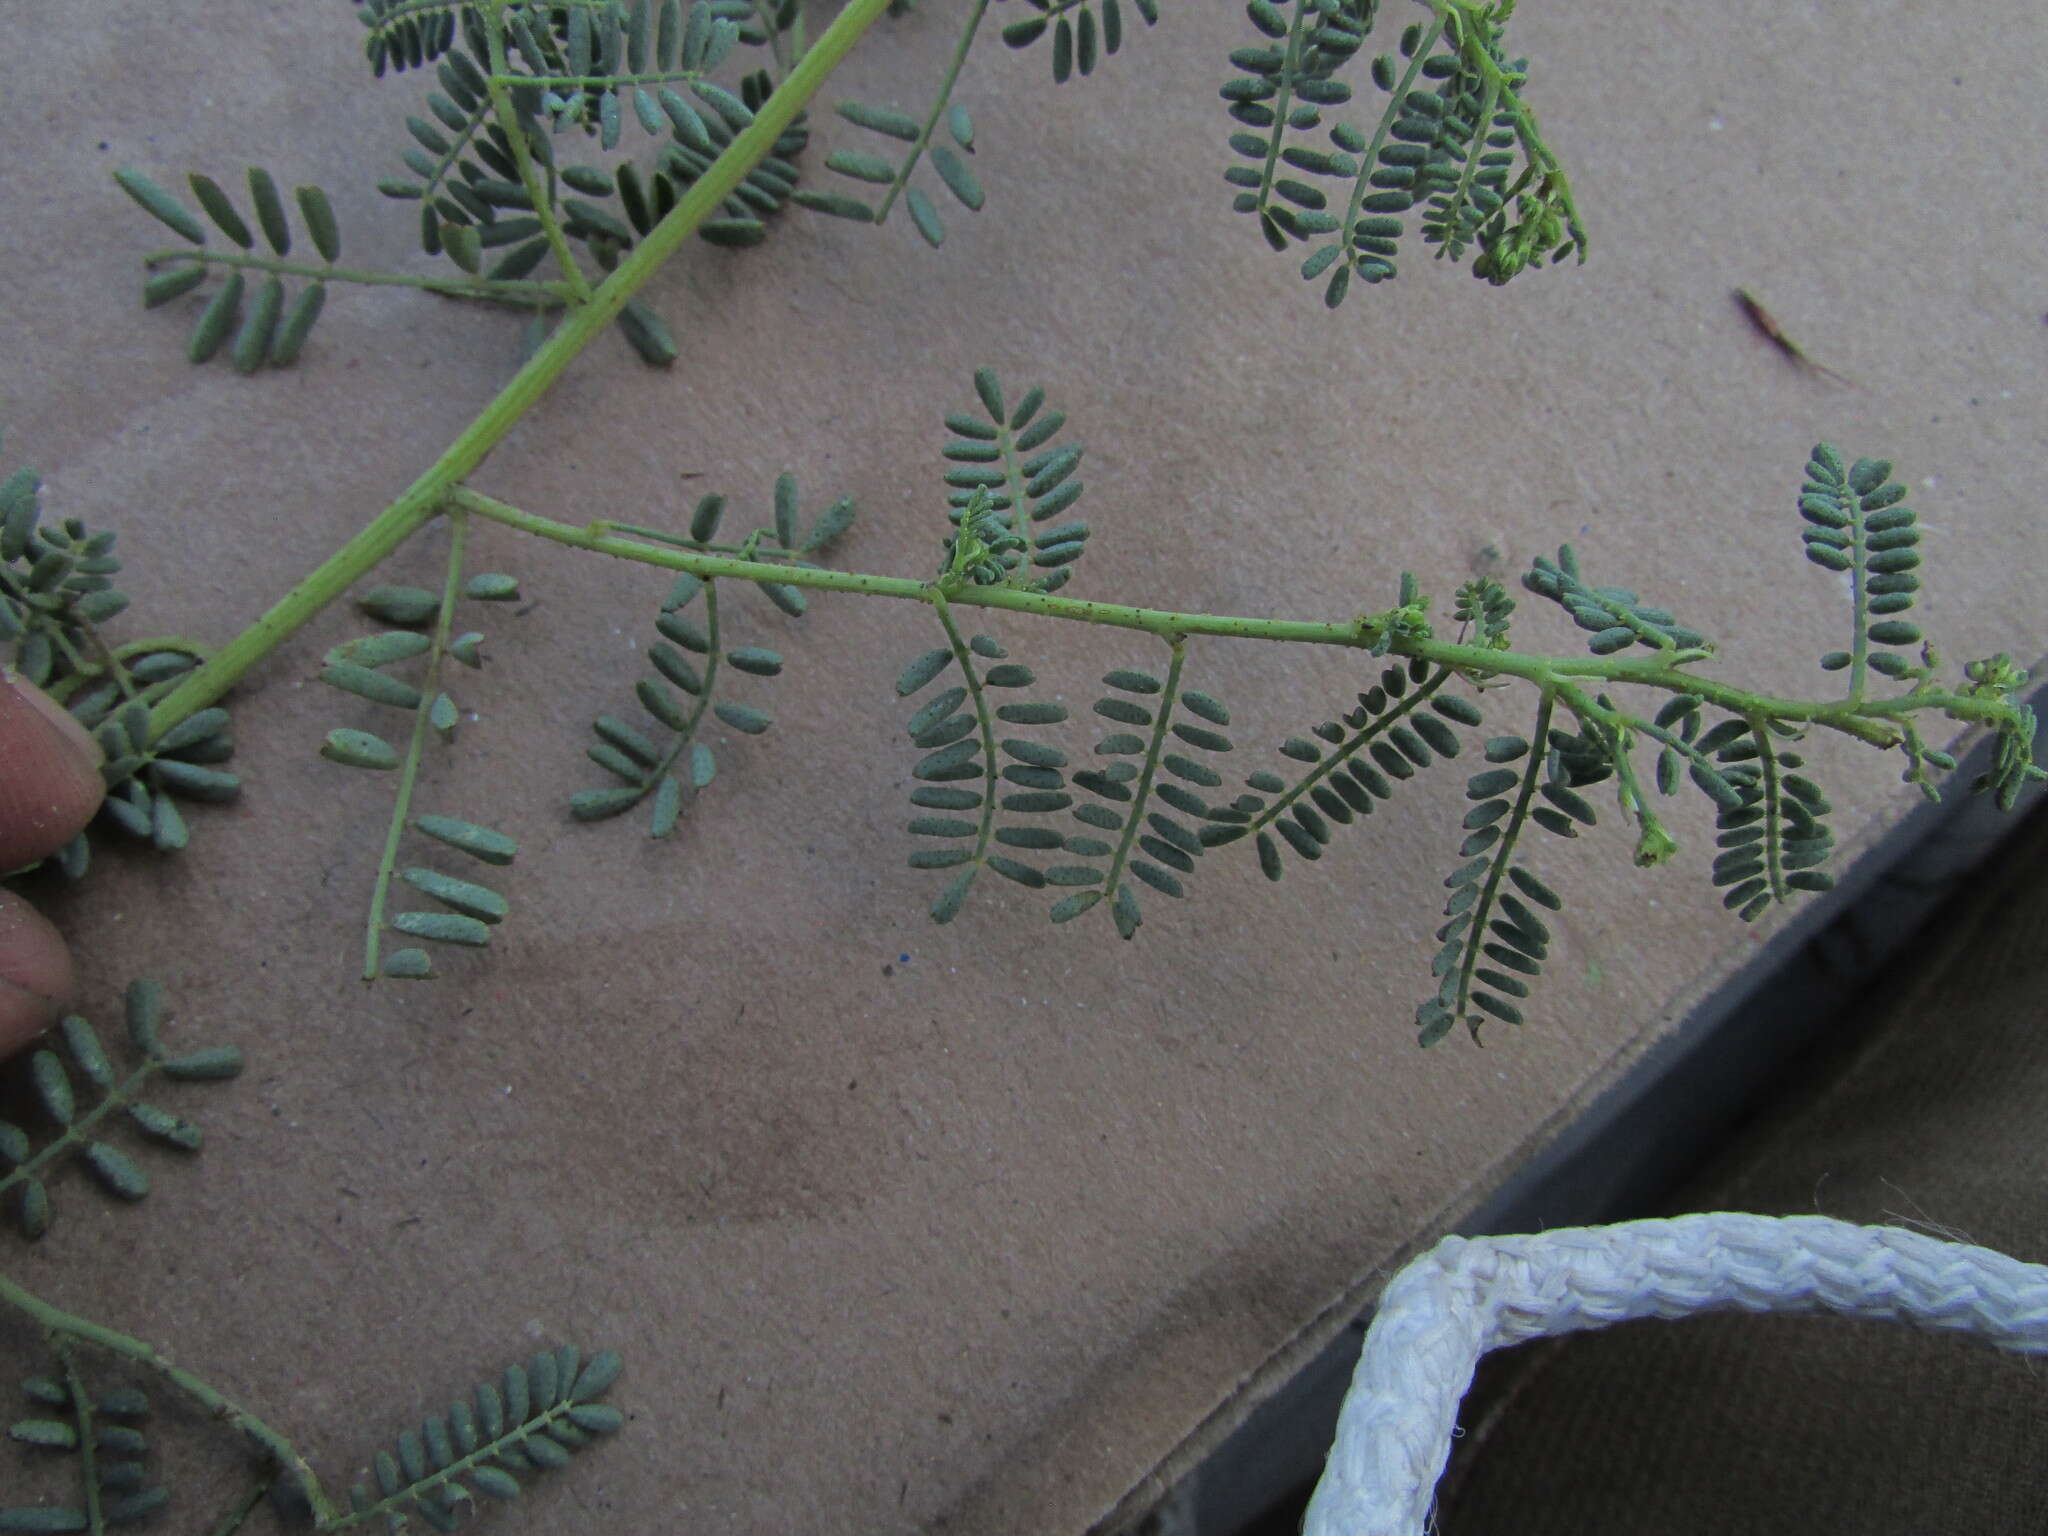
x=1737, y=1425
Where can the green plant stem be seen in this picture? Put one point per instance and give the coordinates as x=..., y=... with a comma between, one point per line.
x=1772, y=804
x=409, y=773
x=1114, y=877
x=423, y=498
x=1503, y=857
x=937, y=110
x=1361, y=740
x=494, y=290
x=78, y=1131
x=82, y=1416
x=1615, y=725
x=984, y=720
x=1534, y=149
x=1870, y=720
x=764, y=18
x=537, y=192
x=1369, y=161
x=560, y=83
x=1283, y=102
x=686, y=739
x=1159, y=622
x=239, y=1512
x=57, y=1323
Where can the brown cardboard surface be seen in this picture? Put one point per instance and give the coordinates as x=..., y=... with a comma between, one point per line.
x=970, y=1240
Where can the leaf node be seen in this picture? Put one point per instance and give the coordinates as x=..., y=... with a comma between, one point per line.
x=1006, y=476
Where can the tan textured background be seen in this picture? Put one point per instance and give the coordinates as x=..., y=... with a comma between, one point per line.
x=969, y=1242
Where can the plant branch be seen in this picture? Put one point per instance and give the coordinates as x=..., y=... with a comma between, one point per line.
x=410, y=771
x=487, y=289
x=424, y=497
x=984, y=723
x=82, y=1416
x=77, y=1132
x=58, y=1323
x=1870, y=720
x=937, y=109
x=522, y=155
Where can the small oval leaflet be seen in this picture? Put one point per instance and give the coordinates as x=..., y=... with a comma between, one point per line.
x=596, y=1418
x=862, y=166
x=144, y=1011
x=649, y=334
x=52, y=1434
x=84, y=1046
x=161, y=205
x=959, y=180
x=786, y=506
x=497, y=1483
x=195, y=782
x=213, y=1064
x=116, y=1170
x=597, y=804
x=319, y=216
x=925, y=217
x=367, y=683
x=465, y=896
x=642, y=752
x=883, y=120
x=749, y=721
x=668, y=805
x=220, y=209
x=216, y=320
x=1123, y=711
x=33, y=1210
x=669, y=662
x=162, y=1125
x=491, y=587
x=834, y=205
x=358, y=749
x=166, y=286
x=297, y=324
x=947, y=907
x=791, y=600
x=400, y=605
x=1135, y=682
x=379, y=650
x=52, y=1085
x=408, y=965
x=478, y=842
x=596, y=1377
x=443, y=928
x=922, y=671
x=259, y=326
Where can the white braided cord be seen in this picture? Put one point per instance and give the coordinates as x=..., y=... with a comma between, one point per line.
x=1469, y=1295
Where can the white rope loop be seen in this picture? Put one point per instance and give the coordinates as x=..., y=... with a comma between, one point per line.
x=1469, y=1295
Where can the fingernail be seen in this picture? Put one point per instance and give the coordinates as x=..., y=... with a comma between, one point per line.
x=77, y=740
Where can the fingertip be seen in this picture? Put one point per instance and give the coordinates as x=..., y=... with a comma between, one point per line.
x=49, y=773
x=35, y=974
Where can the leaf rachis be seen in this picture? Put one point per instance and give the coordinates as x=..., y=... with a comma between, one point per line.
x=387, y=863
